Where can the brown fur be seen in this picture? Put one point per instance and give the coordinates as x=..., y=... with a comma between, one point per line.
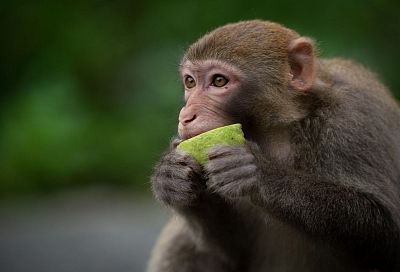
x=317, y=185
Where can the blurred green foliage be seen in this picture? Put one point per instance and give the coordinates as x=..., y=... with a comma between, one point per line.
x=90, y=92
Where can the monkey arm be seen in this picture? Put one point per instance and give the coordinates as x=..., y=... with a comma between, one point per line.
x=322, y=207
x=329, y=211
x=357, y=221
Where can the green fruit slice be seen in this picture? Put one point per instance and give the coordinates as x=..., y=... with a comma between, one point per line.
x=199, y=145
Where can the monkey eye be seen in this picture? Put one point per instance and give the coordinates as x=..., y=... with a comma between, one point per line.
x=219, y=81
x=189, y=82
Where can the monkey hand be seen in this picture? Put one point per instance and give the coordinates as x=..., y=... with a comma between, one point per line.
x=177, y=180
x=233, y=171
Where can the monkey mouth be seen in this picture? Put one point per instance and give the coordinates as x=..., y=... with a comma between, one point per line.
x=188, y=131
x=185, y=133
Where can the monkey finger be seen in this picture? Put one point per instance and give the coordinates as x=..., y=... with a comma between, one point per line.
x=217, y=165
x=179, y=157
x=175, y=142
x=175, y=172
x=237, y=189
x=237, y=176
x=220, y=150
x=224, y=150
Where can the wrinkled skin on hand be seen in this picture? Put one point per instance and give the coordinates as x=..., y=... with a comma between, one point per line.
x=233, y=171
x=177, y=180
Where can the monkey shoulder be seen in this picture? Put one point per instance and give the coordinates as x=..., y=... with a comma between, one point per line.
x=359, y=96
x=357, y=123
x=350, y=75
x=346, y=69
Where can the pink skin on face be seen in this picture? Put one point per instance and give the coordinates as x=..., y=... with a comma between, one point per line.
x=205, y=101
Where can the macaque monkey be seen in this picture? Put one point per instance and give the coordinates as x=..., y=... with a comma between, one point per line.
x=316, y=185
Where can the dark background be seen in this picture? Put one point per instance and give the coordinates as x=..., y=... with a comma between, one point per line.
x=89, y=96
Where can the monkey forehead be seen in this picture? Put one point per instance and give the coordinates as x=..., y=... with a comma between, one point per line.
x=204, y=66
x=256, y=41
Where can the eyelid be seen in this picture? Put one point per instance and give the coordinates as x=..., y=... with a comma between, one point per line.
x=215, y=75
x=185, y=78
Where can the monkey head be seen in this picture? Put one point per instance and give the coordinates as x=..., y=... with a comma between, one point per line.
x=252, y=72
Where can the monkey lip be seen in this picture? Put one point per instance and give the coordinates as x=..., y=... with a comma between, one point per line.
x=190, y=131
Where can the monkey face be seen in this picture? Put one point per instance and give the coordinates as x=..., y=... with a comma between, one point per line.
x=209, y=85
x=256, y=78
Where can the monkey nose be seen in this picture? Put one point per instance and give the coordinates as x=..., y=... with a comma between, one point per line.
x=187, y=119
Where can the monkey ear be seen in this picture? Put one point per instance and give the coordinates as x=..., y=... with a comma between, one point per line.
x=302, y=64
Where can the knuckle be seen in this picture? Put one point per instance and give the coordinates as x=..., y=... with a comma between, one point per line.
x=175, y=142
x=184, y=158
x=209, y=166
x=179, y=156
x=251, y=168
x=186, y=172
x=239, y=148
x=248, y=156
x=219, y=150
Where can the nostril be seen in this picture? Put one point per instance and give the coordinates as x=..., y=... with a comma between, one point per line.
x=187, y=121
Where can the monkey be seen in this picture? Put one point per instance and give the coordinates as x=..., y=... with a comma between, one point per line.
x=315, y=187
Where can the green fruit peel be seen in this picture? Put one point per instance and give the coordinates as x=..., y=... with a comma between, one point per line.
x=199, y=145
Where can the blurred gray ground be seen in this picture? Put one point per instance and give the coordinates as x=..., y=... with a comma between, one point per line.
x=87, y=230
